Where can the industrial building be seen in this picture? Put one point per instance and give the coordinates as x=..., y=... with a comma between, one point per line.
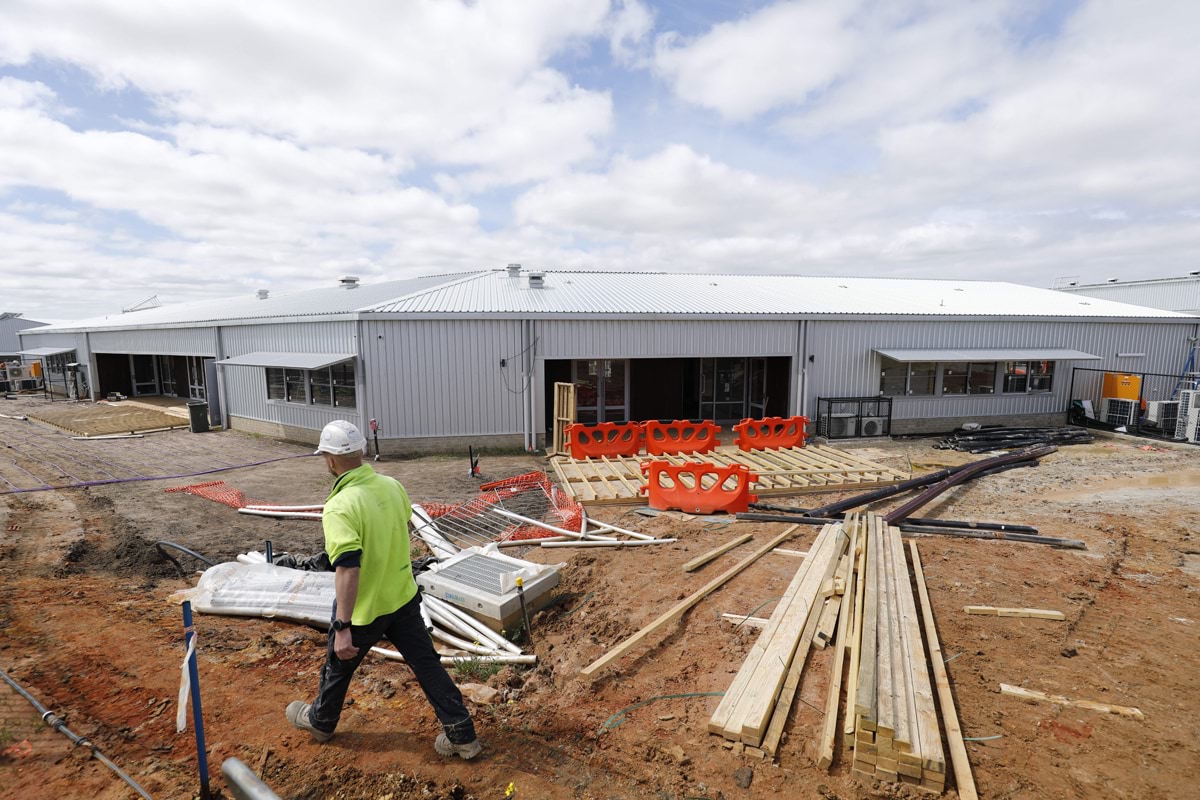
x=472, y=358
x=1180, y=294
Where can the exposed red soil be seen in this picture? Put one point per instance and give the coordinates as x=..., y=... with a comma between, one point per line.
x=85, y=626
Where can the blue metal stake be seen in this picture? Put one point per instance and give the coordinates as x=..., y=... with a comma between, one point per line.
x=197, y=713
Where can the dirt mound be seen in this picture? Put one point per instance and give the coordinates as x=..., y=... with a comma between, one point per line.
x=124, y=553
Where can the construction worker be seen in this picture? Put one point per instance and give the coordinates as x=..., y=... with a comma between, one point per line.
x=366, y=538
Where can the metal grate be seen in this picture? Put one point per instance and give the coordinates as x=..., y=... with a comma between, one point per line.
x=478, y=572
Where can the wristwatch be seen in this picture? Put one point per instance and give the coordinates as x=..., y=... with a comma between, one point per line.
x=338, y=625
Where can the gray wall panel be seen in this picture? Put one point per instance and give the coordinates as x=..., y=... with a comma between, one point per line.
x=443, y=378
x=163, y=342
x=246, y=387
x=664, y=338
x=1182, y=294
x=846, y=364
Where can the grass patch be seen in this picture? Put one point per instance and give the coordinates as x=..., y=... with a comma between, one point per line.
x=477, y=669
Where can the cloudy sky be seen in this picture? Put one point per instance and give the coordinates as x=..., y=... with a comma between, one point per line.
x=197, y=150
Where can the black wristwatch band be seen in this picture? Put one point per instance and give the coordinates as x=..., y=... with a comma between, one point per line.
x=338, y=625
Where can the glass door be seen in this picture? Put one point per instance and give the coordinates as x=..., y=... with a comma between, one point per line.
x=758, y=388
x=166, y=373
x=144, y=374
x=723, y=388
x=602, y=390
x=196, y=388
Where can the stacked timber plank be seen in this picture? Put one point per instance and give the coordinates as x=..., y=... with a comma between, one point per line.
x=755, y=708
x=895, y=735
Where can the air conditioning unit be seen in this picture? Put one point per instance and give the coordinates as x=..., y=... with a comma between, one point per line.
x=1193, y=425
x=1117, y=411
x=872, y=426
x=16, y=373
x=1188, y=399
x=839, y=426
x=1163, y=413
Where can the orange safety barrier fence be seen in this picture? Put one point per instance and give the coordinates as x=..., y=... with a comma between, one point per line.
x=565, y=510
x=603, y=439
x=680, y=437
x=698, y=487
x=770, y=433
x=215, y=490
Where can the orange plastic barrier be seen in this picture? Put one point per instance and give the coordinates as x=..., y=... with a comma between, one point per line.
x=604, y=439
x=770, y=433
x=680, y=437
x=712, y=488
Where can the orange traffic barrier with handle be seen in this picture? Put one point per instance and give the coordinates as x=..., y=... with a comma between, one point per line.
x=603, y=439
x=770, y=433
x=698, y=487
x=680, y=437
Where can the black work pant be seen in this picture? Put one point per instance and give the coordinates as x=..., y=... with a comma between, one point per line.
x=406, y=630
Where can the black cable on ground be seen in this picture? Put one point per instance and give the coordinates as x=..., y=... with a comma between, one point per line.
x=79, y=741
x=160, y=545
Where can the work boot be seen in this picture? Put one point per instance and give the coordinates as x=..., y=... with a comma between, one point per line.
x=298, y=714
x=464, y=751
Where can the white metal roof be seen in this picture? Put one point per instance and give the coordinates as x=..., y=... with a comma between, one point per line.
x=626, y=293
x=1017, y=354
x=311, y=302
x=293, y=360
x=42, y=352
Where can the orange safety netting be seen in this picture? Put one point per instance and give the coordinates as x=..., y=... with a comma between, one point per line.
x=563, y=510
x=216, y=490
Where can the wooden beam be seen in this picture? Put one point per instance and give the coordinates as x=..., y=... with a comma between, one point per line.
x=958, y=750
x=829, y=731
x=793, y=553
x=1031, y=694
x=700, y=561
x=1034, y=613
x=678, y=609
x=742, y=619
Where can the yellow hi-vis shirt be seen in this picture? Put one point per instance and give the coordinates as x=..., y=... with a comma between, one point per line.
x=369, y=512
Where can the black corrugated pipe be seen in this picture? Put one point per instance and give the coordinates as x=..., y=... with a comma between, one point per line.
x=978, y=468
x=79, y=741
x=918, y=530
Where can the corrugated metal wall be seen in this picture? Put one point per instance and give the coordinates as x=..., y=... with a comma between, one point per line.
x=443, y=378
x=664, y=338
x=846, y=365
x=9, y=343
x=160, y=342
x=246, y=387
x=1178, y=295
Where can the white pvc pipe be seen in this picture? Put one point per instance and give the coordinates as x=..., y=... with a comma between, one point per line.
x=392, y=655
x=634, y=543
x=461, y=644
x=604, y=526
x=528, y=542
x=265, y=507
x=560, y=531
x=258, y=512
x=472, y=623
x=97, y=438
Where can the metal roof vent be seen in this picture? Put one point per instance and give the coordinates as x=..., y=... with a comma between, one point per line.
x=348, y=282
x=262, y=294
x=514, y=270
x=537, y=280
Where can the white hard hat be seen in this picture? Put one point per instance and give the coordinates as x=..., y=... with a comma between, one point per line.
x=341, y=438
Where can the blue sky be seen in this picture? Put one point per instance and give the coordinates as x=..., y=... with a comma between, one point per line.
x=222, y=147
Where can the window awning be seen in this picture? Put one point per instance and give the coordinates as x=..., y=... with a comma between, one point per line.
x=42, y=352
x=292, y=360
x=1014, y=354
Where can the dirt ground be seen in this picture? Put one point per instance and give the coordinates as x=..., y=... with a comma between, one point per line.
x=86, y=627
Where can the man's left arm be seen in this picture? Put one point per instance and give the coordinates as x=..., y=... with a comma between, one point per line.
x=345, y=585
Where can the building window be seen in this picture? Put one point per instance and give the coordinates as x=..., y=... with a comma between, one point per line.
x=1041, y=376
x=294, y=384
x=982, y=379
x=275, y=384
x=954, y=379
x=916, y=379
x=333, y=386
x=58, y=362
x=1016, y=377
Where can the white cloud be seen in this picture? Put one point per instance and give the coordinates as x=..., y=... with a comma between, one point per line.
x=629, y=27
x=777, y=56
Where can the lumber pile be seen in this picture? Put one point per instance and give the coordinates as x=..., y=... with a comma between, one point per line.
x=756, y=705
x=853, y=592
x=896, y=733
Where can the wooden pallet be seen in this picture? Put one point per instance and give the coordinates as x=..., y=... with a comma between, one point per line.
x=618, y=480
